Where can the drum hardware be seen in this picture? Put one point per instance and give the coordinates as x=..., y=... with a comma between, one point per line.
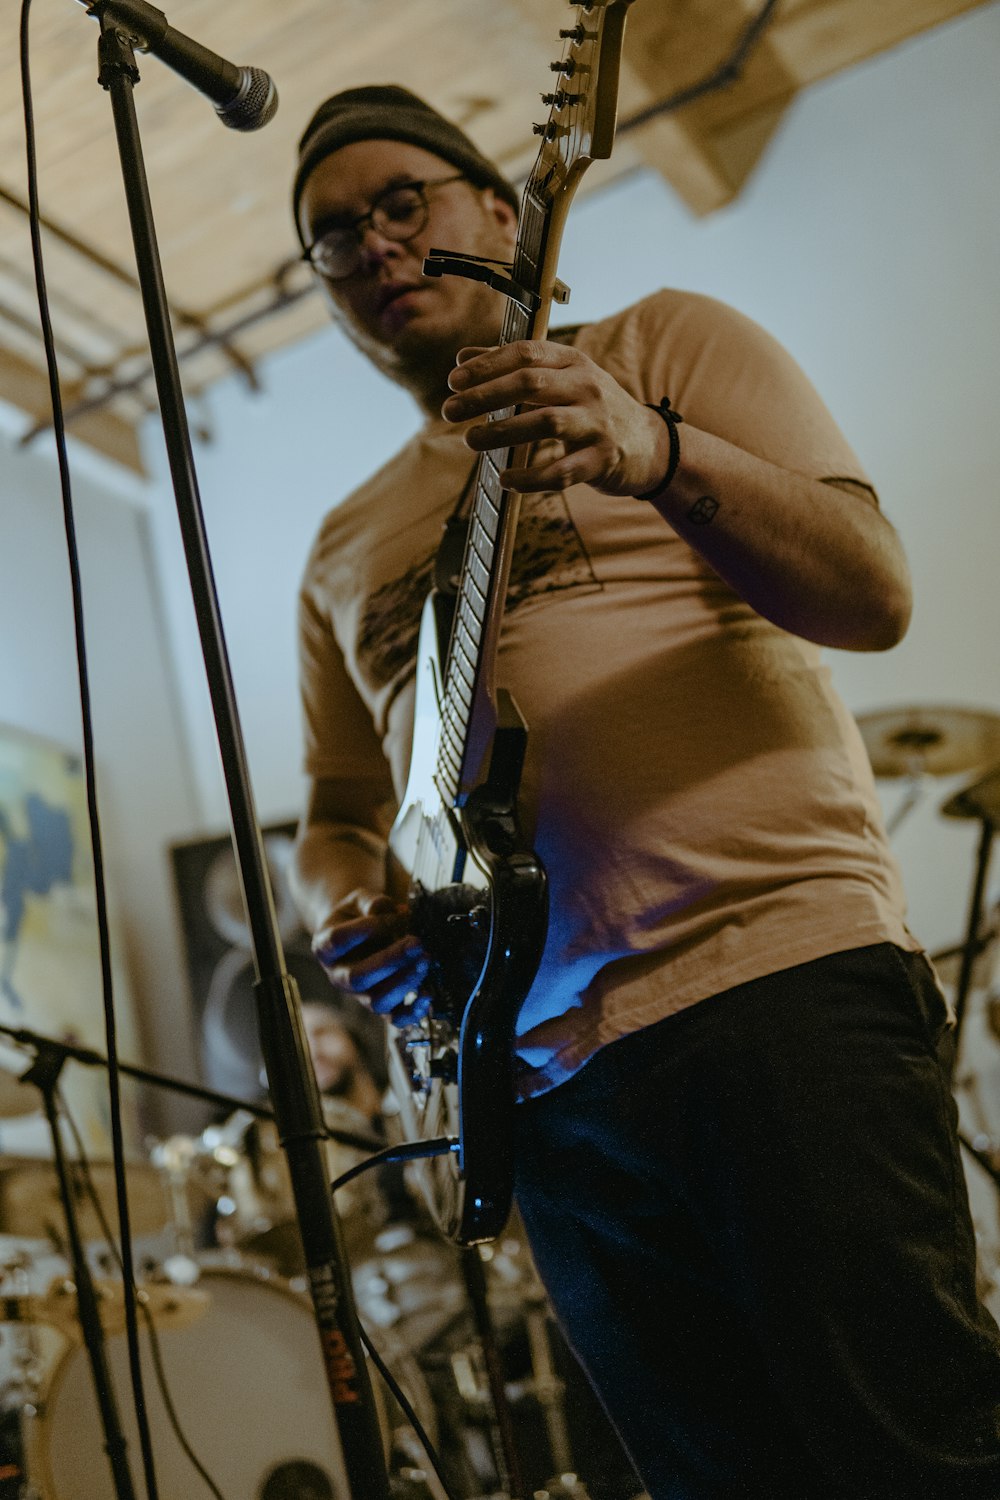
x=165, y=1305
x=31, y=1208
x=508, y=1457
x=920, y=743
x=245, y=1379
x=15, y=1099
x=44, y=1074
x=979, y=800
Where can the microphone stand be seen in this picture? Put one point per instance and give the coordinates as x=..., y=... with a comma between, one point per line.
x=44, y=1074
x=91, y=1059
x=290, y=1076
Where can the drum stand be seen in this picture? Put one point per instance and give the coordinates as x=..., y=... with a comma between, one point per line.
x=981, y=800
x=44, y=1074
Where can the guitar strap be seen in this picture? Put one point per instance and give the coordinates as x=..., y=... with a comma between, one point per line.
x=451, y=548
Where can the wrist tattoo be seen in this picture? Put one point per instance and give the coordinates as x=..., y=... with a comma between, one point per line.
x=703, y=511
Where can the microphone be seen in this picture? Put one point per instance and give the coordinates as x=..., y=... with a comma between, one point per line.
x=244, y=98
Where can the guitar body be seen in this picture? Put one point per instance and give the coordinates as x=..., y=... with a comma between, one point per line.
x=479, y=903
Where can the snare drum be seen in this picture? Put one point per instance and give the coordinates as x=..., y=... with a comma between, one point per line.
x=247, y=1383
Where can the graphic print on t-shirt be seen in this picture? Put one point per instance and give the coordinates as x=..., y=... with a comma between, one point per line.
x=549, y=557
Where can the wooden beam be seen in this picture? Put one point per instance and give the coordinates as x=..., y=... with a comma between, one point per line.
x=25, y=386
x=707, y=147
x=816, y=38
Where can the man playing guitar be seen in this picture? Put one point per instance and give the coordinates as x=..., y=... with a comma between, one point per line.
x=734, y=1149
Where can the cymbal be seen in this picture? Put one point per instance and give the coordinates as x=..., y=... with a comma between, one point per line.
x=931, y=740
x=31, y=1208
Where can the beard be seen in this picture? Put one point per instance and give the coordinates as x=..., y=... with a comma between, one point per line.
x=421, y=358
x=421, y=355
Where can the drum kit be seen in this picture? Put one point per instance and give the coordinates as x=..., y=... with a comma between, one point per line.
x=918, y=745
x=235, y=1394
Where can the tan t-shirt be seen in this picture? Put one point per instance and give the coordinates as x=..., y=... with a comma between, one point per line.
x=699, y=795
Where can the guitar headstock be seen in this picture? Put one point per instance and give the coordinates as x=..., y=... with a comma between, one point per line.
x=583, y=101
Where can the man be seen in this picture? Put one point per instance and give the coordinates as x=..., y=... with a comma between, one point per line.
x=736, y=1157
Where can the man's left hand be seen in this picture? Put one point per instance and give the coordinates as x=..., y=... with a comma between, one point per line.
x=590, y=429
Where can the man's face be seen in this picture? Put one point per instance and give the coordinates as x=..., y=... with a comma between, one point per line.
x=409, y=325
x=334, y=1054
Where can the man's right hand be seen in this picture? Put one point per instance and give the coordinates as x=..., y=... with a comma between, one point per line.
x=367, y=950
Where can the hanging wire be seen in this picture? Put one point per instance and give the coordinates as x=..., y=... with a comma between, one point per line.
x=110, y=1027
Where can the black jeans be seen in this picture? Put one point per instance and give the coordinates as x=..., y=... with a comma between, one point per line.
x=752, y=1223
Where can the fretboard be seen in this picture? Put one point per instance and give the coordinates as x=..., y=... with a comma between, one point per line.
x=467, y=706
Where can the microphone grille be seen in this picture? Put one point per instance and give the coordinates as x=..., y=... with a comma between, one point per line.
x=254, y=105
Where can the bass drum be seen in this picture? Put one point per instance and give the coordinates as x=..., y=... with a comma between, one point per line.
x=247, y=1385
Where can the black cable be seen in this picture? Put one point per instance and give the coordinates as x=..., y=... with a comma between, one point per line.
x=154, y=1337
x=168, y=1405
x=59, y=433
x=409, y=1151
x=441, y=1145
x=407, y=1407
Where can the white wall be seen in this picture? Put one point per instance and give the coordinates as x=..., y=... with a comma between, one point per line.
x=145, y=787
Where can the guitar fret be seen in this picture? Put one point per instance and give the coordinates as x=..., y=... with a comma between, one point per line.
x=463, y=665
x=449, y=761
x=473, y=584
x=467, y=643
x=479, y=570
x=482, y=546
x=471, y=622
x=455, y=684
x=487, y=523
x=453, y=720
x=491, y=467
x=449, y=732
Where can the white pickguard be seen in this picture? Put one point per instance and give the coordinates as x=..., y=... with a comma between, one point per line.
x=423, y=840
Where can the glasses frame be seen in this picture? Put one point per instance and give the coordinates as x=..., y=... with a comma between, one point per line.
x=357, y=226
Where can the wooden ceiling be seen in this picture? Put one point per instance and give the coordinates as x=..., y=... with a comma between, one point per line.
x=221, y=198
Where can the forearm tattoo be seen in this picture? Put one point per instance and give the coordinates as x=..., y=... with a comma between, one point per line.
x=703, y=511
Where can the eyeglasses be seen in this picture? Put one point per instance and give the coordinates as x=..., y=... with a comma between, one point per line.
x=397, y=214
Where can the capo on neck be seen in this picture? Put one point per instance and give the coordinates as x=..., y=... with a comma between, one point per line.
x=481, y=268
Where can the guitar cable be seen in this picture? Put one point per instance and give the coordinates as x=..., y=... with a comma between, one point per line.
x=409, y=1151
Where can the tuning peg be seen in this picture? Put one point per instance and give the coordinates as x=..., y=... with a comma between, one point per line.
x=574, y=34
x=551, y=131
x=564, y=65
x=561, y=99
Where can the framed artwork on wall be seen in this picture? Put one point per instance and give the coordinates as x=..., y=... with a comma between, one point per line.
x=50, y=969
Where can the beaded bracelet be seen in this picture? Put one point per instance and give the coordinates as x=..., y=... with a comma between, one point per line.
x=673, y=420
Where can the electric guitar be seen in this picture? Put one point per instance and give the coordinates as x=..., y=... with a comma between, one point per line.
x=477, y=893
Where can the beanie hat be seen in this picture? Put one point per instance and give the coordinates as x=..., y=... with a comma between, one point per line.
x=388, y=112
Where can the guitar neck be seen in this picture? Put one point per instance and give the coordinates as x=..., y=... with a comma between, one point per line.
x=580, y=129
x=468, y=712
